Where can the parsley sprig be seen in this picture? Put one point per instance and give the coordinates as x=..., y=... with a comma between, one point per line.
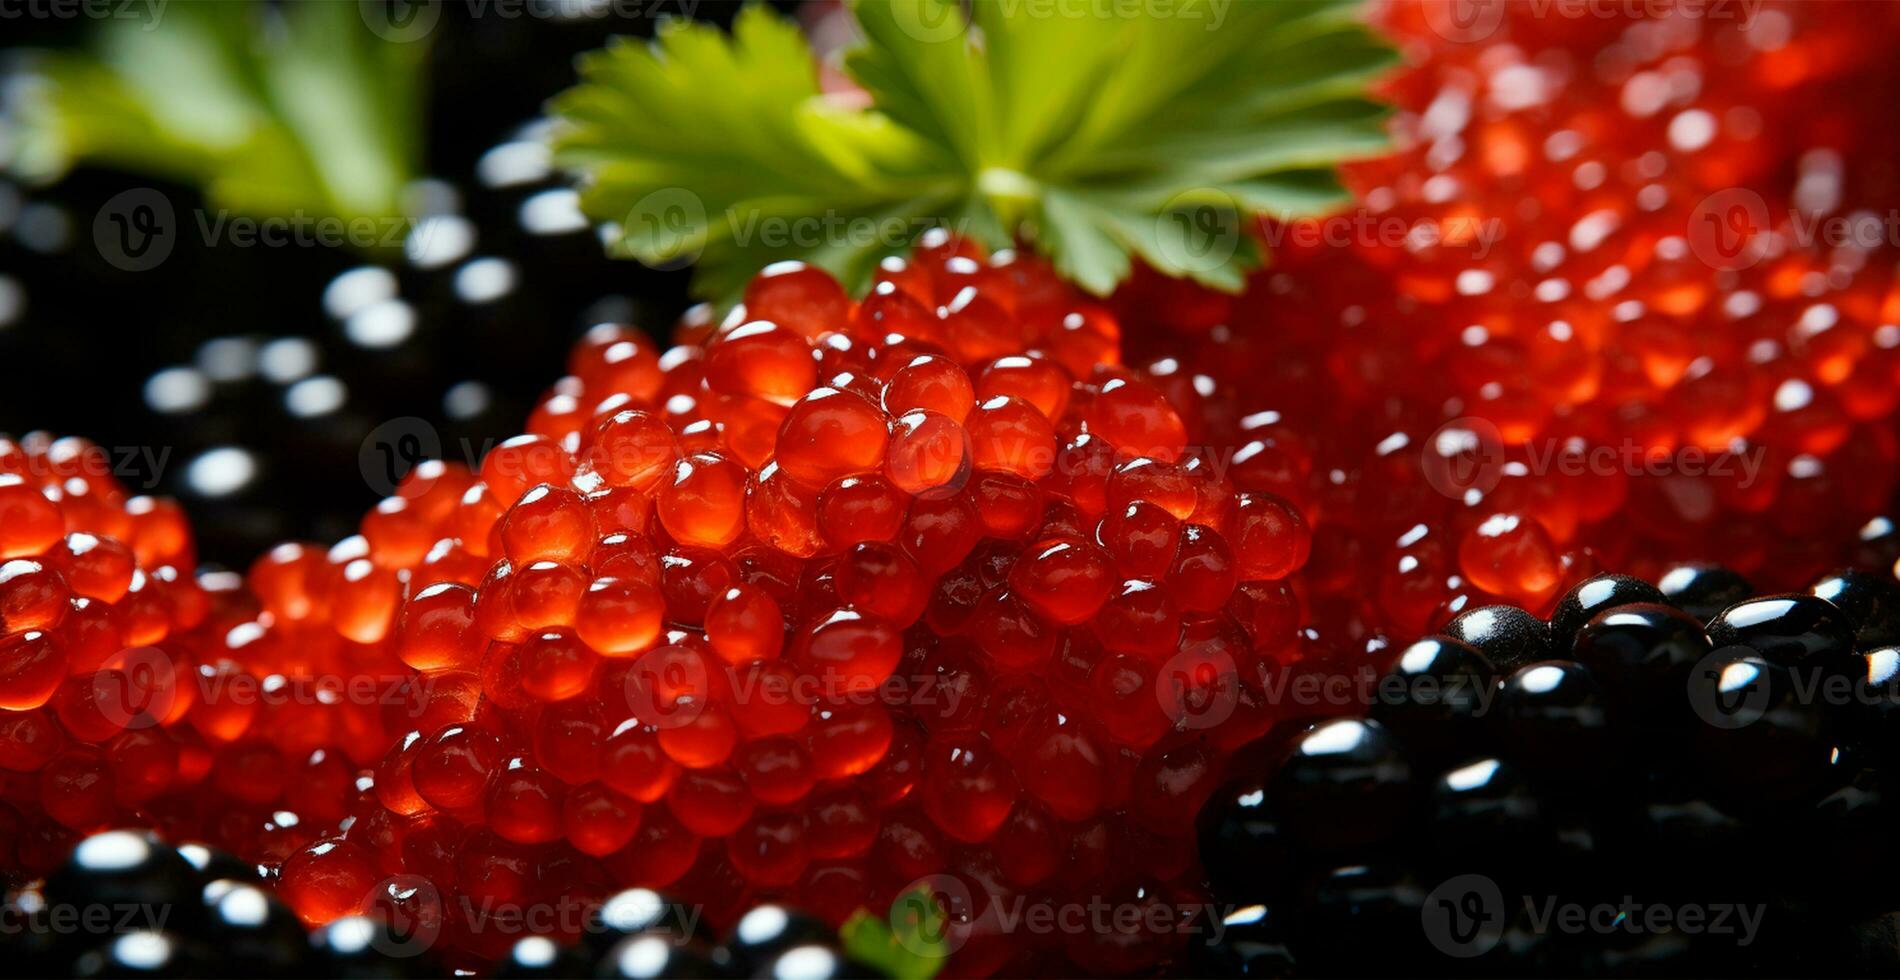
x=1095, y=133
x=271, y=109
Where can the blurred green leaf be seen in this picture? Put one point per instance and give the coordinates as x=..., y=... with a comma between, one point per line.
x=1095, y=133
x=907, y=944
x=272, y=110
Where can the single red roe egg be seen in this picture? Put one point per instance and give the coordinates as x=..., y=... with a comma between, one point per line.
x=436, y=630
x=1137, y=419
x=930, y=382
x=1064, y=581
x=29, y=523
x=1271, y=540
x=632, y=448
x=619, y=617
x=704, y=503
x=1008, y=434
x=849, y=651
x=928, y=453
x=761, y=359
x=830, y=434
x=547, y=524
x=327, y=880
x=745, y=624
x=802, y=297
x=1510, y=555
x=556, y=665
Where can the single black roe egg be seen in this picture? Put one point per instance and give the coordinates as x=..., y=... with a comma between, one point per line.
x=1789, y=629
x=640, y=911
x=359, y=947
x=1642, y=653
x=1702, y=590
x=1365, y=915
x=1871, y=602
x=1485, y=810
x=540, y=956
x=124, y=868
x=1554, y=720
x=1592, y=596
x=1764, y=738
x=1508, y=636
x=653, y=957
x=1243, y=848
x=213, y=864
x=767, y=929
x=1432, y=698
x=1252, y=942
x=813, y=961
x=1873, y=713
x=1344, y=784
x=144, y=953
x=252, y=931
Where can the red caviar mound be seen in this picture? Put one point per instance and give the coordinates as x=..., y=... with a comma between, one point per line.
x=1587, y=316
x=101, y=618
x=841, y=596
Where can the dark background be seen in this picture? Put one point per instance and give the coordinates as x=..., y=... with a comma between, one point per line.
x=77, y=359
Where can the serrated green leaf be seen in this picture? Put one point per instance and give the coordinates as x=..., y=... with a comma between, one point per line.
x=273, y=111
x=1098, y=134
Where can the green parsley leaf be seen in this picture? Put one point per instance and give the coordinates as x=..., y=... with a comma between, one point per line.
x=911, y=943
x=1095, y=133
x=273, y=111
